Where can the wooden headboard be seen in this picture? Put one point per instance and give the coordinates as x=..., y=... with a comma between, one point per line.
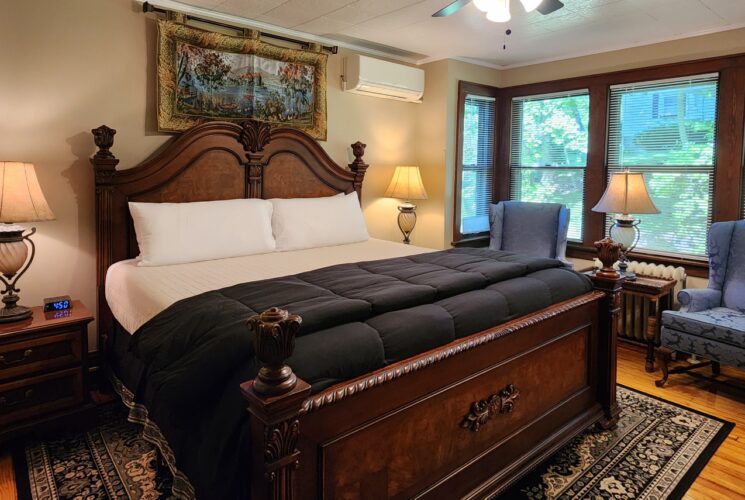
x=212, y=161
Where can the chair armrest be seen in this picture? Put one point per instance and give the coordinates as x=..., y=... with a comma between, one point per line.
x=699, y=299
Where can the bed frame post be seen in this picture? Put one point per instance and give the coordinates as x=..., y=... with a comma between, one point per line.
x=358, y=166
x=609, y=281
x=275, y=398
x=104, y=166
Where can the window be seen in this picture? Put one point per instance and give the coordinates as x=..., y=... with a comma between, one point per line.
x=548, y=155
x=666, y=129
x=477, y=163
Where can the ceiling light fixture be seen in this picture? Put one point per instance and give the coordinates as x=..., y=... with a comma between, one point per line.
x=500, y=13
x=531, y=5
x=485, y=5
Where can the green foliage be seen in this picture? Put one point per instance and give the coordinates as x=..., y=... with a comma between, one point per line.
x=684, y=204
x=553, y=132
x=212, y=70
x=273, y=107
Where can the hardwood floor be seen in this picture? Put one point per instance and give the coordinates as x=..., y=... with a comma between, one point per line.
x=724, y=397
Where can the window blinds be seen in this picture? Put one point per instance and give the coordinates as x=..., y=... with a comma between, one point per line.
x=477, y=167
x=548, y=151
x=666, y=129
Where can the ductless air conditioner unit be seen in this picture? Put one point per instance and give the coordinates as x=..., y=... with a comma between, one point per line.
x=373, y=77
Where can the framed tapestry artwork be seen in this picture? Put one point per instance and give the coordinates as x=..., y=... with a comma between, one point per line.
x=205, y=76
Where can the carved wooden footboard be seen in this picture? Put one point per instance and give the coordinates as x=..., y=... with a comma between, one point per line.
x=463, y=420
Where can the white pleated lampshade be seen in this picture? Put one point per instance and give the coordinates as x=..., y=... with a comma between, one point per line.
x=21, y=197
x=406, y=184
x=626, y=194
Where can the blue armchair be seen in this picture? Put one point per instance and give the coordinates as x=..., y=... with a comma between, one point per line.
x=711, y=321
x=538, y=229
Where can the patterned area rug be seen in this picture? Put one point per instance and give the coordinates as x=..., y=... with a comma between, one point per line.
x=656, y=452
x=110, y=461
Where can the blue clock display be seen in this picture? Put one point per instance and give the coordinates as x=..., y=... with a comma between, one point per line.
x=57, y=304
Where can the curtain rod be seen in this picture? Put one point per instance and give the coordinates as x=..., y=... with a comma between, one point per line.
x=147, y=7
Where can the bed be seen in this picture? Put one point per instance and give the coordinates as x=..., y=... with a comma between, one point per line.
x=465, y=418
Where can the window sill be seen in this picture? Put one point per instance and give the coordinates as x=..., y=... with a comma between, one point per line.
x=697, y=268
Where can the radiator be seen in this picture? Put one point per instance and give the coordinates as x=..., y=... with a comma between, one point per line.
x=636, y=309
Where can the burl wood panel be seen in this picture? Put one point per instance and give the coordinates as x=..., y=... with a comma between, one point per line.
x=215, y=175
x=356, y=465
x=288, y=176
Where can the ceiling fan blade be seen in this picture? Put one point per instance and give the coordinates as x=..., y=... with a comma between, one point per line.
x=452, y=8
x=548, y=6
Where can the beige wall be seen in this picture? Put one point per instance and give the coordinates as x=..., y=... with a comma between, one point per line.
x=436, y=148
x=68, y=67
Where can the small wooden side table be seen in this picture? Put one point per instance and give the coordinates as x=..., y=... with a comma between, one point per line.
x=659, y=293
x=43, y=368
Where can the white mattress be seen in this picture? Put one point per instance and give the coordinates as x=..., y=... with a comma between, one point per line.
x=136, y=294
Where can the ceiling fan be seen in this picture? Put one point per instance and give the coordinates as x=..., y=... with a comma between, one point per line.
x=499, y=10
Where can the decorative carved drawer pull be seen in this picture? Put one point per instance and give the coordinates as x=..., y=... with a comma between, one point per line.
x=484, y=410
x=4, y=403
x=26, y=354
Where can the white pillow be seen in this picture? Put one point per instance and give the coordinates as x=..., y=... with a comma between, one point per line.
x=318, y=222
x=177, y=233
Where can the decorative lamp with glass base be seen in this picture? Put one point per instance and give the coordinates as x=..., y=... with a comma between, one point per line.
x=626, y=194
x=21, y=200
x=406, y=184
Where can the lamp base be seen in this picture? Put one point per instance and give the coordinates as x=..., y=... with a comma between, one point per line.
x=622, y=266
x=406, y=220
x=16, y=313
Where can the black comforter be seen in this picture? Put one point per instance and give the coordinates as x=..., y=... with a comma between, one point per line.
x=356, y=318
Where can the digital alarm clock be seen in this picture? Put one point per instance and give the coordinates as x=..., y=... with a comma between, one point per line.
x=61, y=303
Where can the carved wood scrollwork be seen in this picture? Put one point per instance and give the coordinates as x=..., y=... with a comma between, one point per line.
x=255, y=135
x=484, y=410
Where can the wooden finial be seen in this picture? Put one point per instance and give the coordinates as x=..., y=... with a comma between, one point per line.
x=104, y=162
x=358, y=150
x=608, y=252
x=103, y=136
x=358, y=166
x=274, y=341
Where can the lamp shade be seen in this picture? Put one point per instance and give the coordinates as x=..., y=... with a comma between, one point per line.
x=626, y=194
x=21, y=198
x=406, y=184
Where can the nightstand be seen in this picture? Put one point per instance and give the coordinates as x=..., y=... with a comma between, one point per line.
x=43, y=368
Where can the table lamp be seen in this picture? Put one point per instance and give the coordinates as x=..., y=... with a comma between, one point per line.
x=406, y=184
x=626, y=194
x=21, y=200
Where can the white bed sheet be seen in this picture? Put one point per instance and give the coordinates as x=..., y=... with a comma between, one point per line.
x=136, y=294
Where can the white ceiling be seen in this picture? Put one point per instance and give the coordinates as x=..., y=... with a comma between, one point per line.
x=581, y=27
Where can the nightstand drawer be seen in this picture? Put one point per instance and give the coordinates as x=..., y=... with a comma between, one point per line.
x=35, y=396
x=43, y=353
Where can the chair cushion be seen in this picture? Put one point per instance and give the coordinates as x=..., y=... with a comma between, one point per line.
x=721, y=324
x=531, y=228
x=707, y=348
x=733, y=291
